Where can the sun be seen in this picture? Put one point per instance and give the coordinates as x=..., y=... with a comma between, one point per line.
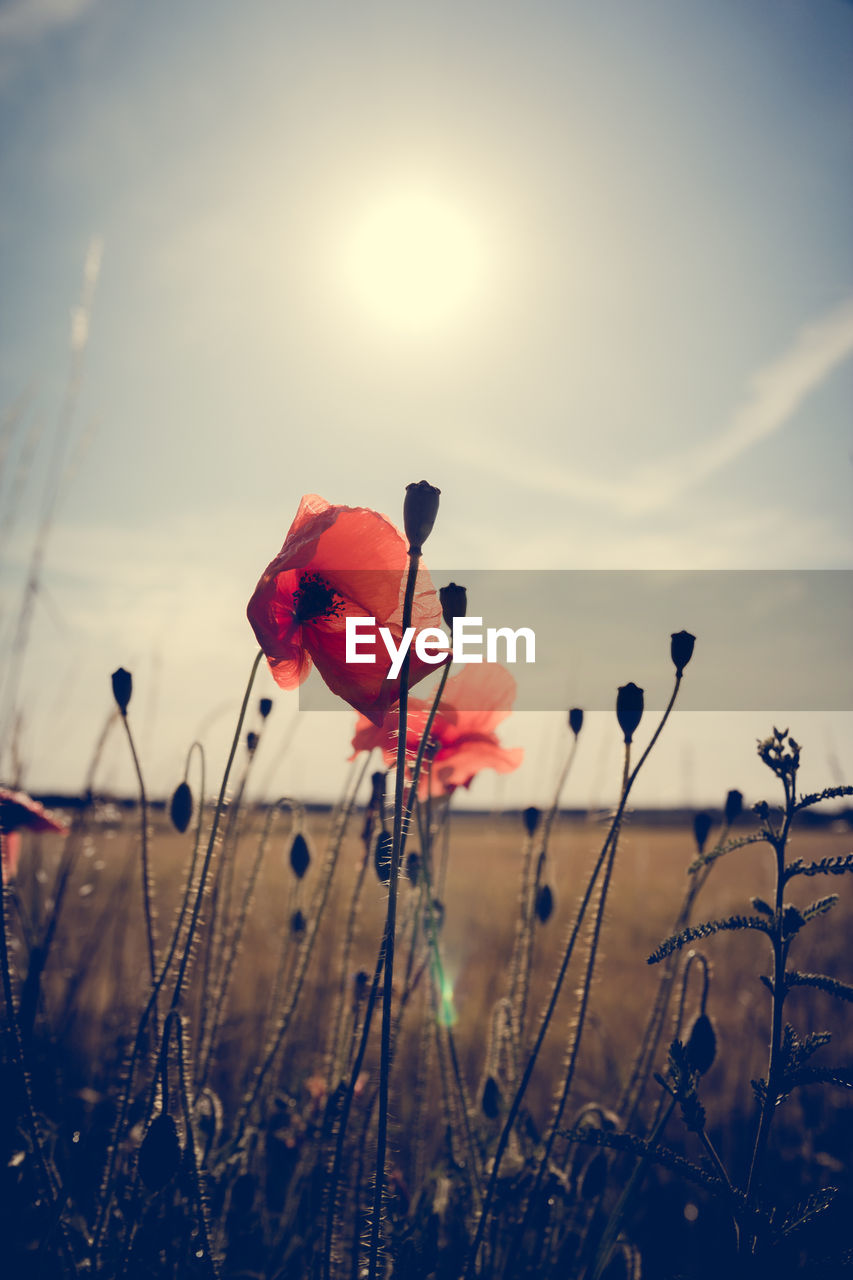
x=414, y=260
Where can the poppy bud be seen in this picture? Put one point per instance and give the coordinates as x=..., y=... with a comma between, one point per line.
x=265, y=707
x=595, y=1177
x=413, y=865
x=576, y=720
x=297, y=923
x=160, y=1153
x=181, y=807
x=629, y=709
x=544, y=903
x=122, y=688
x=419, y=511
x=530, y=817
x=300, y=855
x=702, y=824
x=792, y=921
x=251, y=742
x=378, y=782
x=701, y=1047
x=491, y=1099
x=734, y=806
x=681, y=649
x=382, y=856
x=454, y=602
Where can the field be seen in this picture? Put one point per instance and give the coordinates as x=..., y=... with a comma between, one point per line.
x=264, y=1192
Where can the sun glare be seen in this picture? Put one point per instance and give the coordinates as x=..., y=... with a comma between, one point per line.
x=414, y=261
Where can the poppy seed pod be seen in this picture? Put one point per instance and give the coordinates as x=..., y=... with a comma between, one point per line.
x=122, y=688
x=702, y=824
x=544, y=903
x=160, y=1153
x=454, y=602
x=701, y=1047
x=681, y=649
x=265, y=707
x=297, y=923
x=490, y=1100
x=576, y=720
x=419, y=511
x=300, y=855
x=530, y=817
x=378, y=782
x=382, y=856
x=734, y=806
x=251, y=742
x=413, y=865
x=181, y=807
x=629, y=709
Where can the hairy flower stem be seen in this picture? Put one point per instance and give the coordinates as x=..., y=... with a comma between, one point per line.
x=580, y=1019
x=346, y=1106
x=146, y=868
x=522, y=951
x=523, y=947
x=335, y=1063
x=316, y=912
x=390, y=927
x=548, y=821
x=474, y=1162
x=779, y=841
x=233, y=949
x=515, y=1106
x=214, y=831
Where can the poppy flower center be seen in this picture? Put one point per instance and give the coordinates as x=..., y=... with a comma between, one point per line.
x=315, y=599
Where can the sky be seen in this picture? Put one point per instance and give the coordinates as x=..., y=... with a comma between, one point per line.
x=588, y=269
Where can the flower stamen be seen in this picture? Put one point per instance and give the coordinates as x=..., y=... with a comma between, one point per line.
x=314, y=599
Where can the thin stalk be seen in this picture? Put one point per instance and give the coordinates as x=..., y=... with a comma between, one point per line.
x=237, y=937
x=780, y=951
x=515, y=1106
x=586, y=990
x=391, y=924
x=316, y=913
x=106, y=1195
x=211, y=844
x=146, y=868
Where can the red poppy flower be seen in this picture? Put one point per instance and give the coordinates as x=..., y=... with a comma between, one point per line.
x=462, y=739
x=17, y=810
x=339, y=562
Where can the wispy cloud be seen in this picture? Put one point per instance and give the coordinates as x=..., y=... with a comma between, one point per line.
x=25, y=21
x=773, y=396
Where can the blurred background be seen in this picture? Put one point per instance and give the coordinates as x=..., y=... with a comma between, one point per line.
x=587, y=269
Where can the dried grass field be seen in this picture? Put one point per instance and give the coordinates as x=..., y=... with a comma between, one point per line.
x=95, y=985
